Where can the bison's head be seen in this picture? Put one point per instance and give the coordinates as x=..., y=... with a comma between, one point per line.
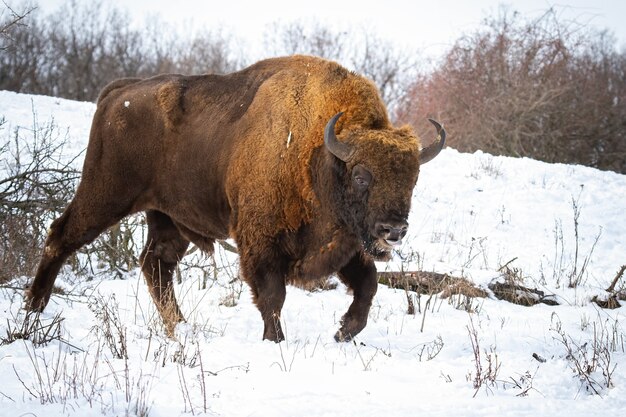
x=377, y=172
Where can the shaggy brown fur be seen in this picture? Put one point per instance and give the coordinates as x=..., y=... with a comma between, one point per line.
x=242, y=155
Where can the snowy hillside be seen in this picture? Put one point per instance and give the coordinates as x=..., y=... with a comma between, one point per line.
x=472, y=214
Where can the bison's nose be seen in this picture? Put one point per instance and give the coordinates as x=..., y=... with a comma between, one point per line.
x=392, y=232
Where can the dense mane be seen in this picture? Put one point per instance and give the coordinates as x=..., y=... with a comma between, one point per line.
x=296, y=102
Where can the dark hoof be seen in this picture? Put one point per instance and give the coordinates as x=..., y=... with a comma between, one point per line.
x=273, y=331
x=342, y=336
x=274, y=339
x=32, y=303
x=350, y=327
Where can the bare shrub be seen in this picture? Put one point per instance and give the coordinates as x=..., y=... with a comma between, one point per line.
x=577, y=274
x=30, y=326
x=391, y=68
x=115, y=251
x=167, y=51
x=487, y=368
x=209, y=52
x=545, y=88
x=523, y=382
x=71, y=374
x=308, y=38
x=36, y=182
x=109, y=326
x=486, y=363
x=591, y=361
x=571, y=265
x=429, y=350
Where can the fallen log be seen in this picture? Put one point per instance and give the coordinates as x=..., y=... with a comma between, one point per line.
x=424, y=282
x=518, y=294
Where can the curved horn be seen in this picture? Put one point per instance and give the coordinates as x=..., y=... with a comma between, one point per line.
x=341, y=150
x=432, y=150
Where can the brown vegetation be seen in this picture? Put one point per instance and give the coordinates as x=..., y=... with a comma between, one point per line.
x=424, y=282
x=541, y=88
x=614, y=294
x=428, y=283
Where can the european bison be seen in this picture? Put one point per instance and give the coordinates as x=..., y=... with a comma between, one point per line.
x=294, y=158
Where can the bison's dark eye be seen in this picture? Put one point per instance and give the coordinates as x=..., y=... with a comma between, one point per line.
x=361, y=182
x=361, y=178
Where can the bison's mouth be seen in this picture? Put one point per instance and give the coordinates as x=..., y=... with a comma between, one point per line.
x=384, y=237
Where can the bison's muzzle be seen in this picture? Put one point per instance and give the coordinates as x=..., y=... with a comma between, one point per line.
x=391, y=233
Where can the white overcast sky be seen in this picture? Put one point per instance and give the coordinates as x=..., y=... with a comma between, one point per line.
x=428, y=25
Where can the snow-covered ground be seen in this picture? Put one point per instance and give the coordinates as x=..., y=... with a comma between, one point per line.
x=472, y=213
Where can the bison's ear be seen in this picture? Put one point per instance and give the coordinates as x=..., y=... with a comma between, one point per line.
x=432, y=150
x=341, y=150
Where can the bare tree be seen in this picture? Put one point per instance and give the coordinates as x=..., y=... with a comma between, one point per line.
x=307, y=38
x=9, y=20
x=82, y=41
x=542, y=88
x=76, y=51
x=206, y=53
x=391, y=69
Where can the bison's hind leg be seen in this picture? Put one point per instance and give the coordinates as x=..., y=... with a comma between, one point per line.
x=165, y=246
x=80, y=223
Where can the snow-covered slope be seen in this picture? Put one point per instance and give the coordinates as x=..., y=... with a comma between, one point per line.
x=472, y=213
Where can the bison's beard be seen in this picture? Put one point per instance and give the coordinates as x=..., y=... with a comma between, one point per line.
x=357, y=221
x=351, y=209
x=373, y=246
x=377, y=249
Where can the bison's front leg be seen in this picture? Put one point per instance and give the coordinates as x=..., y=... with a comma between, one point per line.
x=270, y=300
x=360, y=275
x=266, y=278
